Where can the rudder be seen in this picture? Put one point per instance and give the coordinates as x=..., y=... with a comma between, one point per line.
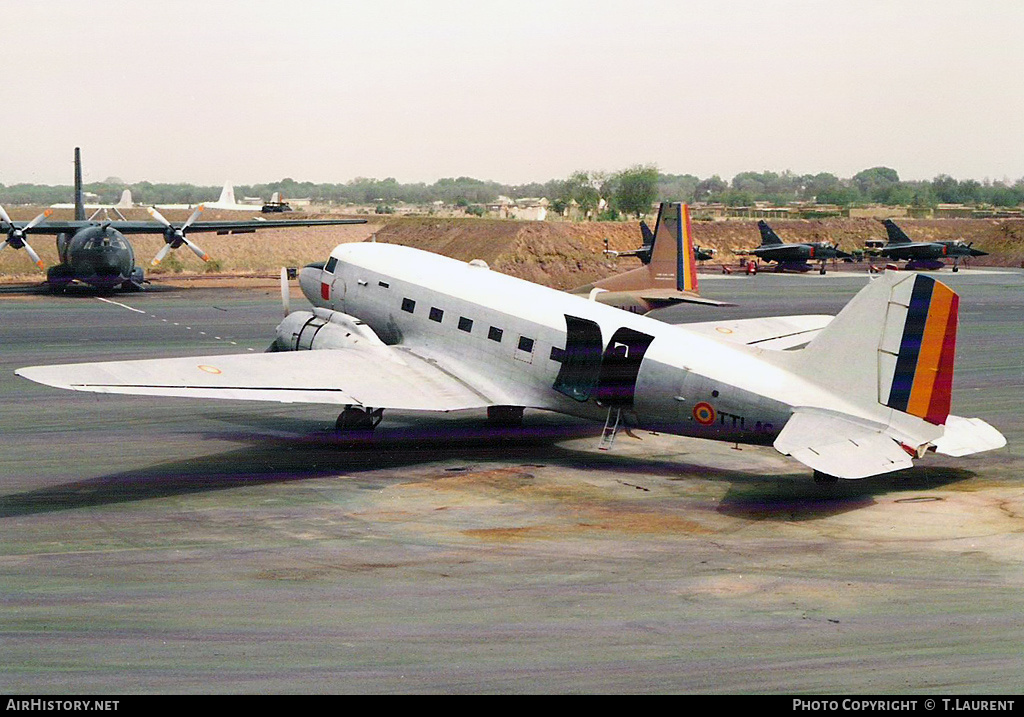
x=672, y=253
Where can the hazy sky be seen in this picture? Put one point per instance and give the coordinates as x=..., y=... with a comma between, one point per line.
x=519, y=91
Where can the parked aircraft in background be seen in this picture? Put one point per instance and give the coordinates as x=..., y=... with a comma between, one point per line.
x=225, y=202
x=99, y=254
x=925, y=254
x=793, y=257
x=125, y=202
x=669, y=272
x=397, y=328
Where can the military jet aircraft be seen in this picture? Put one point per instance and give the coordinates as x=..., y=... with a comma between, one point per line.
x=97, y=253
x=394, y=327
x=793, y=257
x=643, y=253
x=669, y=272
x=925, y=254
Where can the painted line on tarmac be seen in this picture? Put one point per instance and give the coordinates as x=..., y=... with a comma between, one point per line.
x=146, y=313
x=123, y=306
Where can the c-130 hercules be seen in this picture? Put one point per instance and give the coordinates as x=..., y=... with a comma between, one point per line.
x=97, y=252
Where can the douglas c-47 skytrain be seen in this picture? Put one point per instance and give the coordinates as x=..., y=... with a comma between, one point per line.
x=398, y=328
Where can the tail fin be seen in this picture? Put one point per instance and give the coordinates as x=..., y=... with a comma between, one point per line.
x=893, y=345
x=79, y=203
x=896, y=235
x=768, y=235
x=125, y=202
x=672, y=252
x=227, y=194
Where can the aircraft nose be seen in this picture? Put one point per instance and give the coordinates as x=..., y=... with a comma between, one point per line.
x=309, y=282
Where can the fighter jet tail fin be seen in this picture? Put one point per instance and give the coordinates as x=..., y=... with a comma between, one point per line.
x=768, y=235
x=896, y=235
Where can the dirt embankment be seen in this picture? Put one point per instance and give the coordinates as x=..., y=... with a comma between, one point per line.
x=558, y=254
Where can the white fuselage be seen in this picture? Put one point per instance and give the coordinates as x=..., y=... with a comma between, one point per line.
x=512, y=337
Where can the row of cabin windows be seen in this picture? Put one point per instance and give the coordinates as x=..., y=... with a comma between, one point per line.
x=436, y=314
x=493, y=333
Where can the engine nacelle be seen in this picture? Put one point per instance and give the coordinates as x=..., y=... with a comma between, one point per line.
x=323, y=329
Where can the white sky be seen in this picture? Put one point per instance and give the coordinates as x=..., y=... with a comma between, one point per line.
x=205, y=91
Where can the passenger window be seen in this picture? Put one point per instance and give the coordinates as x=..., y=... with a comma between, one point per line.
x=525, y=344
x=494, y=334
x=331, y=263
x=384, y=284
x=408, y=305
x=465, y=324
x=436, y=314
x=557, y=354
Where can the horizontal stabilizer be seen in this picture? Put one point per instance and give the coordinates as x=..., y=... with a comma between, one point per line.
x=668, y=297
x=773, y=332
x=839, y=445
x=964, y=436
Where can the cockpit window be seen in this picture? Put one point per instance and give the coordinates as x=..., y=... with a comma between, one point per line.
x=105, y=240
x=331, y=263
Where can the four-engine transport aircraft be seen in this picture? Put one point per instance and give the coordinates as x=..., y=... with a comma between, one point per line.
x=669, y=272
x=97, y=252
x=925, y=254
x=793, y=257
x=398, y=328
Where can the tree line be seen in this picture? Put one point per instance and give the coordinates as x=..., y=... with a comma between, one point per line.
x=593, y=193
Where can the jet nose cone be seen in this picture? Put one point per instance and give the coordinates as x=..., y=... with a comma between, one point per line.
x=978, y=252
x=309, y=282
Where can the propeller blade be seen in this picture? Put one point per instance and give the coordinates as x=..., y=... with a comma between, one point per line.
x=195, y=215
x=37, y=220
x=32, y=253
x=3, y=215
x=158, y=216
x=160, y=255
x=196, y=250
x=286, y=293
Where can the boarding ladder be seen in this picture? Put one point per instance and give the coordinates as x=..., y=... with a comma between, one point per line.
x=611, y=427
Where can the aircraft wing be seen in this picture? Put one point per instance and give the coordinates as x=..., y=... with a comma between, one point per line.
x=774, y=332
x=146, y=227
x=374, y=377
x=839, y=445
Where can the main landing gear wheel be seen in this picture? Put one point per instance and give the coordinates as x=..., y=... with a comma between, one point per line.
x=824, y=478
x=358, y=419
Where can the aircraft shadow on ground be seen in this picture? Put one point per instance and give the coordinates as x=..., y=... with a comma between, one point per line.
x=43, y=289
x=308, y=451
x=797, y=498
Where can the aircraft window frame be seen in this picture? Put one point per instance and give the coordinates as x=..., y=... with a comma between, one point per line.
x=436, y=314
x=332, y=262
x=557, y=354
x=384, y=284
x=465, y=324
x=495, y=334
x=409, y=305
x=528, y=348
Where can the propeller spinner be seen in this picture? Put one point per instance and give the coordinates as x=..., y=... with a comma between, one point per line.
x=175, y=236
x=16, y=236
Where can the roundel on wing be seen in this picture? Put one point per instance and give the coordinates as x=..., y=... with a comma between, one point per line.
x=704, y=413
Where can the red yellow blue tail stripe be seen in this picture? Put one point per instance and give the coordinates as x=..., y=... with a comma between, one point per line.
x=923, y=381
x=687, y=270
